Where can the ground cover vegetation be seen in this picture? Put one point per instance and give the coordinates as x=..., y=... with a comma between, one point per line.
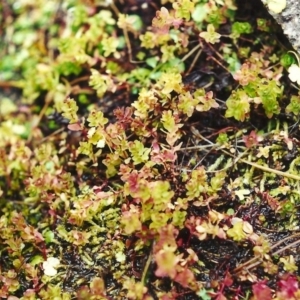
x=148, y=150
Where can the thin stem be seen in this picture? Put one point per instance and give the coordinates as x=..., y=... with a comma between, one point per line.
x=297, y=56
x=216, y=61
x=190, y=53
x=197, y=147
x=52, y=134
x=242, y=266
x=285, y=239
x=83, y=78
x=266, y=169
x=14, y=84
x=255, y=261
x=194, y=61
x=286, y=247
x=145, y=271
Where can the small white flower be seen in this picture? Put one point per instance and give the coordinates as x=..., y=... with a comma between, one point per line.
x=294, y=73
x=276, y=6
x=242, y=193
x=91, y=132
x=50, y=266
x=120, y=257
x=101, y=143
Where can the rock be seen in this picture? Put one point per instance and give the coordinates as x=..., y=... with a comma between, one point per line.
x=289, y=19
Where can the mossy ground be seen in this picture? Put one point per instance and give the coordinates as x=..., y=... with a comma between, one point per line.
x=153, y=151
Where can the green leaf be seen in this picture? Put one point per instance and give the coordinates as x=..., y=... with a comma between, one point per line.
x=287, y=60
x=152, y=61
x=69, y=110
x=197, y=183
x=204, y=295
x=138, y=152
x=268, y=92
x=136, y=22
x=67, y=68
x=49, y=236
x=238, y=105
x=36, y=260
x=178, y=218
x=159, y=219
x=170, y=81
x=241, y=27
x=7, y=106
x=199, y=13
x=210, y=36
x=174, y=63
x=168, y=121
x=294, y=106
x=96, y=118
x=99, y=82
x=109, y=45
x=161, y=194
x=183, y=9
x=236, y=232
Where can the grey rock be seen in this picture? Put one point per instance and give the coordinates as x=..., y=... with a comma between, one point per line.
x=289, y=19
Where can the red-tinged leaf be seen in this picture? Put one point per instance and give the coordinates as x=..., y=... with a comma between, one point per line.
x=97, y=286
x=29, y=294
x=261, y=291
x=133, y=182
x=186, y=278
x=75, y=127
x=288, y=286
x=177, y=22
x=228, y=280
x=166, y=261
x=252, y=139
x=161, y=23
x=167, y=237
x=221, y=297
x=163, y=156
